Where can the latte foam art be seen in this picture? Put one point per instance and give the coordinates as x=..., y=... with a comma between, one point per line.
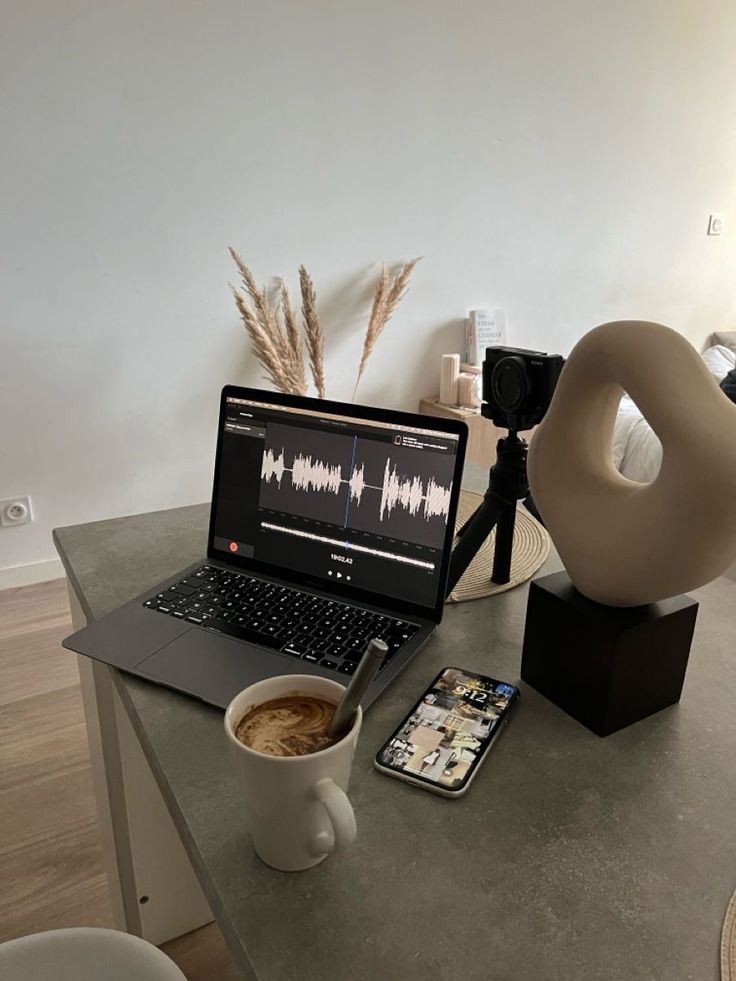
x=294, y=725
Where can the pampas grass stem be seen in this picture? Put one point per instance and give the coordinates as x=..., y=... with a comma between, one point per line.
x=313, y=331
x=385, y=301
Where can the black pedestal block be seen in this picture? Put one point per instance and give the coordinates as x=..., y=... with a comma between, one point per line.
x=605, y=666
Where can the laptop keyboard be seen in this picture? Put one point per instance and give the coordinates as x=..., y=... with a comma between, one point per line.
x=312, y=628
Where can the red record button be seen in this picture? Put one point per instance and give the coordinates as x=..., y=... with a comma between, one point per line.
x=233, y=546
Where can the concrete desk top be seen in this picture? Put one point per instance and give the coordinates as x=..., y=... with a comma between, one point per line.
x=572, y=858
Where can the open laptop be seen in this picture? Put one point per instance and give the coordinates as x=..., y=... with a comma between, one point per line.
x=330, y=524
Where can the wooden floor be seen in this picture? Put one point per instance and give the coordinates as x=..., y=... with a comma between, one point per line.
x=51, y=872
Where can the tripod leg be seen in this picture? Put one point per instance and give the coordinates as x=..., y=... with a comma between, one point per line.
x=532, y=508
x=475, y=532
x=504, y=545
x=461, y=531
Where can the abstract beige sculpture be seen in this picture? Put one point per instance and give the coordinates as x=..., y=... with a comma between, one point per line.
x=624, y=543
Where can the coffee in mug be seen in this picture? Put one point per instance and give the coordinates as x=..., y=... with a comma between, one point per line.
x=293, y=725
x=294, y=779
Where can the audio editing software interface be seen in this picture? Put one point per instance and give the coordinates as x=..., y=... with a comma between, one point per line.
x=353, y=501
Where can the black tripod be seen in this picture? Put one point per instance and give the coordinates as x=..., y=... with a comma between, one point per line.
x=507, y=484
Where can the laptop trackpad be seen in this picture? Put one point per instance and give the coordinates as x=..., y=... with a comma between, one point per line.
x=213, y=667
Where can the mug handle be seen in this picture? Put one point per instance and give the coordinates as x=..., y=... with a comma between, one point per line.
x=340, y=812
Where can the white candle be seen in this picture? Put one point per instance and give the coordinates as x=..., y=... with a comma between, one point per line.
x=449, y=372
x=467, y=390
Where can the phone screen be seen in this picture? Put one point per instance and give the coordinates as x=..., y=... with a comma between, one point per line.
x=445, y=735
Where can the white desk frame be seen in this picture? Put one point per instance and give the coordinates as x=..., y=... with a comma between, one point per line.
x=154, y=892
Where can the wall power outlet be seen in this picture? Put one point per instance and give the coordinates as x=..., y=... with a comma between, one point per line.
x=15, y=511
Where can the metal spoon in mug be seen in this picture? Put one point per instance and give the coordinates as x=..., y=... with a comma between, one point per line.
x=366, y=671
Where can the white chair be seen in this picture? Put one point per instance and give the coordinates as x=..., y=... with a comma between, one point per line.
x=84, y=954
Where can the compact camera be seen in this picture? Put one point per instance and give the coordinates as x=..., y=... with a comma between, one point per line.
x=518, y=386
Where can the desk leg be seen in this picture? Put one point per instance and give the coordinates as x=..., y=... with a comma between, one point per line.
x=154, y=892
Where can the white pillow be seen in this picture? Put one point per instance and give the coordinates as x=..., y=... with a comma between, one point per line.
x=643, y=453
x=719, y=360
x=627, y=418
x=726, y=338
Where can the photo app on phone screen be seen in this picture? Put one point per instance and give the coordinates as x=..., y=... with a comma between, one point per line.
x=450, y=728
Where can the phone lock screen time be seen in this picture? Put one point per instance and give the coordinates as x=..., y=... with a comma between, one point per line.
x=449, y=729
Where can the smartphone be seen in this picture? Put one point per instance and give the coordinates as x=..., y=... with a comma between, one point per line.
x=443, y=740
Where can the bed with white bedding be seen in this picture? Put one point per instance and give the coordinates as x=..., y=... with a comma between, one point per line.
x=637, y=452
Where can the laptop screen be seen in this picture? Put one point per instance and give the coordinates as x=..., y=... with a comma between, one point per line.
x=357, y=503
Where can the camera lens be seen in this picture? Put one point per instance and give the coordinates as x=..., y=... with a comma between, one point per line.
x=510, y=383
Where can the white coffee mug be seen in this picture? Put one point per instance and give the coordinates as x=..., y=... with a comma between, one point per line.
x=296, y=806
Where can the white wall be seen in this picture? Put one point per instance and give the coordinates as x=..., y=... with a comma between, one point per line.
x=556, y=159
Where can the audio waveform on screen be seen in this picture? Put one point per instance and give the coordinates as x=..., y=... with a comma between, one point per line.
x=409, y=493
x=357, y=484
x=406, y=492
x=367, y=485
x=306, y=474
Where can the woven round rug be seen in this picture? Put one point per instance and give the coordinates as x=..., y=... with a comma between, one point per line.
x=531, y=548
x=728, y=943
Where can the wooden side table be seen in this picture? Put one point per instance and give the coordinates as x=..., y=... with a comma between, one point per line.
x=482, y=434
